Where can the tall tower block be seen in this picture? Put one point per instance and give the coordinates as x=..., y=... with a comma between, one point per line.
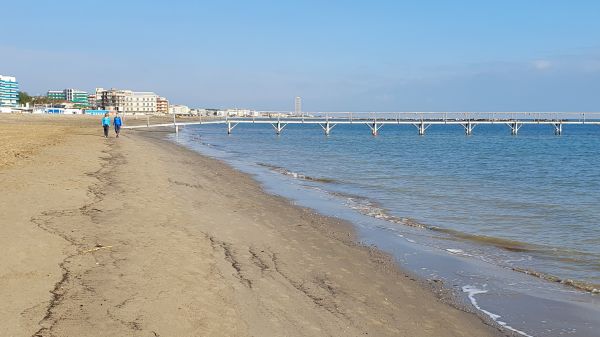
x=298, y=105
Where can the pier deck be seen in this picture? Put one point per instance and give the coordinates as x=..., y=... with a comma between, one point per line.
x=421, y=120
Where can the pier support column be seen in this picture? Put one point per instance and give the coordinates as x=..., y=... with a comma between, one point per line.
x=422, y=127
x=558, y=129
x=327, y=127
x=175, y=123
x=469, y=128
x=278, y=127
x=514, y=127
x=375, y=128
x=230, y=127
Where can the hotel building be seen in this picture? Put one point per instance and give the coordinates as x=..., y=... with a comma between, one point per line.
x=130, y=102
x=9, y=93
x=80, y=98
x=162, y=105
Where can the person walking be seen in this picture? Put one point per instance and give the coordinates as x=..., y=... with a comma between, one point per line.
x=117, y=122
x=106, y=124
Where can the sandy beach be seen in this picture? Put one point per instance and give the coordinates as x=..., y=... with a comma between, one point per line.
x=137, y=236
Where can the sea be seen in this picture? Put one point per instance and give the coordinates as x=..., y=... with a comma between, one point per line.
x=509, y=224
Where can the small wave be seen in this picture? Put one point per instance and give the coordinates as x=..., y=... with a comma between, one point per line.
x=506, y=244
x=456, y=251
x=471, y=292
x=592, y=288
x=295, y=175
x=522, y=247
x=371, y=208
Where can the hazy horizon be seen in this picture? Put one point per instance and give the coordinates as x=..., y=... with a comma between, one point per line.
x=338, y=56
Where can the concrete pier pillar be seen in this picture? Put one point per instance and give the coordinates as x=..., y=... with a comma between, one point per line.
x=422, y=129
x=558, y=129
x=469, y=128
x=514, y=128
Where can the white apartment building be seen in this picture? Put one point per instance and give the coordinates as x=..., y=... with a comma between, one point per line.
x=130, y=102
x=179, y=109
x=240, y=113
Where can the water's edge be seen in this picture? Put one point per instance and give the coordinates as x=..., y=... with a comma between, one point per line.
x=457, y=271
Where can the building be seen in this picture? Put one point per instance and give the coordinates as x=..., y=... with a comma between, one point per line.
x=62, y=111
x=162, y=105
x=96, y=112
x=79, y=97
x=141, y=102
x=239, y=113
x=92, y=100
x=113, y=99
x=95, y=99
x=57, y=95
x=129, y=102
x=211, y=112
x=254, y=113
x=179, y=109
x=298, y=105
x=197, y=112
x=9, y=93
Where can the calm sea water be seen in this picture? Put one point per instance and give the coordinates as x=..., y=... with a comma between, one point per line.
x=528, y=203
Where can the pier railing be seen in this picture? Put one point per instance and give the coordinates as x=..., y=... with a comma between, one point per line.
x=376, y=120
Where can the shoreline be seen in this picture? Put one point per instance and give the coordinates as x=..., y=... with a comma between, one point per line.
x=372, y=208
x=530, y=307
x=346, y=232
x=154, y=238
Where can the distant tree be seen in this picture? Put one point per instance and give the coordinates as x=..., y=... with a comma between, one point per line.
x=24, y=97
x=41, y=100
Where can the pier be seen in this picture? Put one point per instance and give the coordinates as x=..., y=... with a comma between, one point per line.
x=376, y=120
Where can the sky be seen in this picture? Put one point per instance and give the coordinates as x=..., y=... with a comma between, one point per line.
x=338, y=55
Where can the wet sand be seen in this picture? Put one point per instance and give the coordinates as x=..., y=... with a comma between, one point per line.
x=137, y=236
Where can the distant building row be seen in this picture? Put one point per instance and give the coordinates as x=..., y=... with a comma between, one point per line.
x=125, y=101
x=184, y=110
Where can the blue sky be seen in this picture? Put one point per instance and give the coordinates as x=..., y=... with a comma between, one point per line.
x=338, y=55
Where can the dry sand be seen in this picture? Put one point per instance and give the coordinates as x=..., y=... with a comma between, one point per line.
x=139, y=237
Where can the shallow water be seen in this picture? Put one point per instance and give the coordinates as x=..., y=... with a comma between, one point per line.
x=528, y=202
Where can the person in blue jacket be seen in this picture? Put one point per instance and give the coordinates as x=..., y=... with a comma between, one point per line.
x=117, y=122
x=106, y=124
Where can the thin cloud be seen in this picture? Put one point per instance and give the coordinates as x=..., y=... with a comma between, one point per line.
x=542, y=64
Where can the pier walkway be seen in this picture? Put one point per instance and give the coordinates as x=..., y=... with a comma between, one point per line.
x=376, y=120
